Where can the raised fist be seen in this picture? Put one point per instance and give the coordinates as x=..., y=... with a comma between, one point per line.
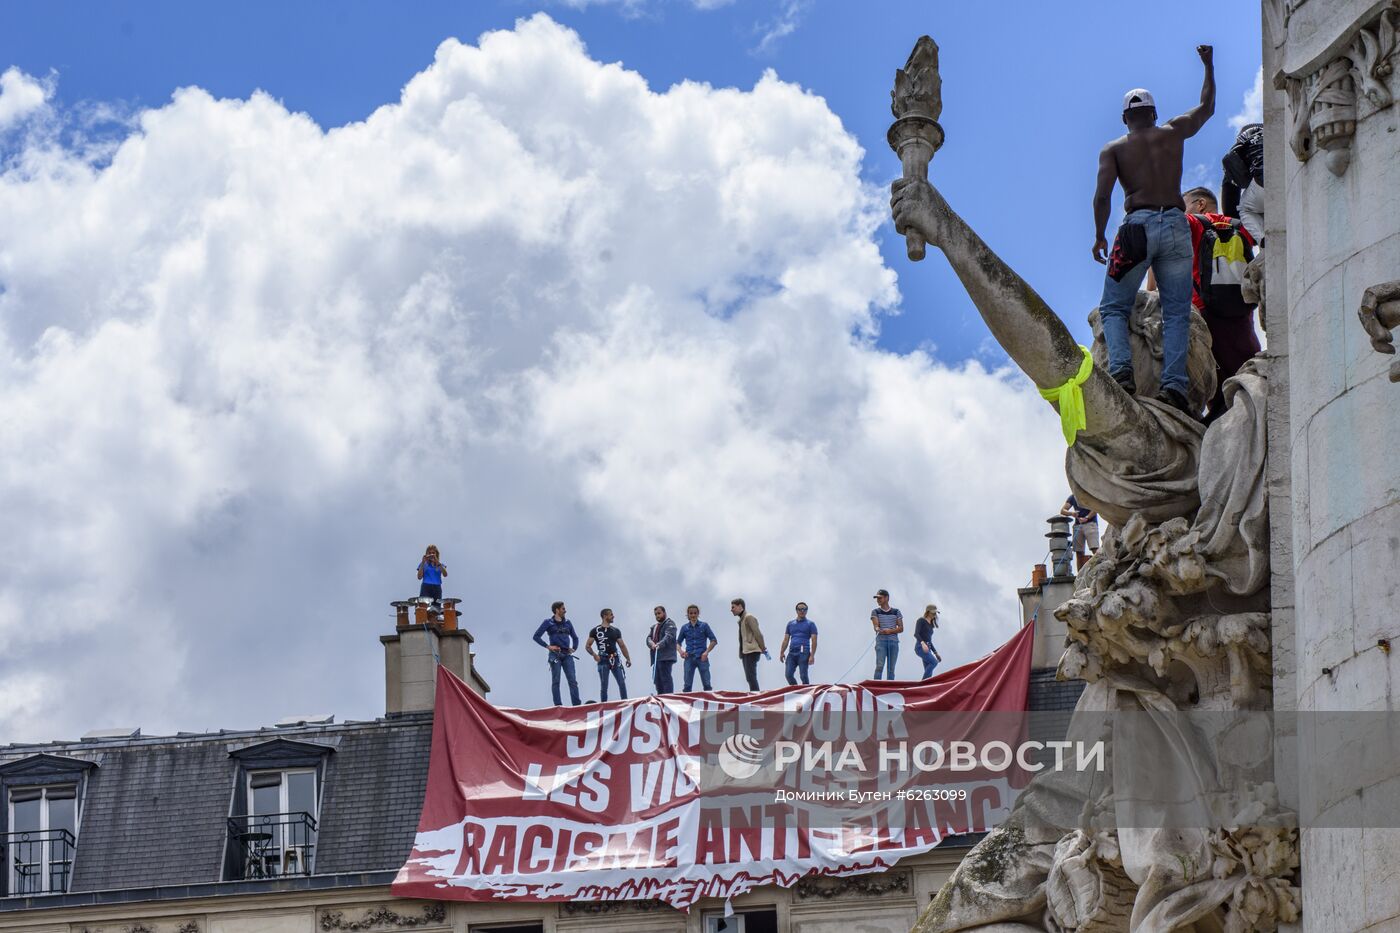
x=1206, y=52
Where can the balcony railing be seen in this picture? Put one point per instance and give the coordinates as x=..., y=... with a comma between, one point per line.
x=271, y=845
x=38, y=862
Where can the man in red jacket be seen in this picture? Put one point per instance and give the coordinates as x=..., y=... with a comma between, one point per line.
x=1231, y=321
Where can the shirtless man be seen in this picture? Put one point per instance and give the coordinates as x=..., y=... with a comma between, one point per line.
x=1147, y=163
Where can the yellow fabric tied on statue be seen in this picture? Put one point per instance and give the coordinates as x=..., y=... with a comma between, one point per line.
x=1070, y=398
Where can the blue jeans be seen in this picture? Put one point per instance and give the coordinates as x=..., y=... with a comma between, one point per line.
x=930, y=662
x=1170, y=256
x=558, y=661
x=886, y=651
x=797, y=658
x=693, y=664
x=615, y=668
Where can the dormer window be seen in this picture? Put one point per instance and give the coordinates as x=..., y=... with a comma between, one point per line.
x=40, y=803
x=282, y=817
x=273, y=824
x=42, y=839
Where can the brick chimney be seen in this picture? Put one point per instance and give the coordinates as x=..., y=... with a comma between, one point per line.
x=424, y=636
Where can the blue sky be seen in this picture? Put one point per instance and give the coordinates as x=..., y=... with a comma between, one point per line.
x=1031, y=91
x=246, y=355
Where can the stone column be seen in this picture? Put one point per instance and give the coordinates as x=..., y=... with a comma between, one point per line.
x=1339, y=189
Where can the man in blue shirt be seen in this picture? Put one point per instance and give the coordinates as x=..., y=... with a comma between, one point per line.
x=888, y=622
x=662, y=642
x=696, y=639
x=799, y=645
x=562, y=643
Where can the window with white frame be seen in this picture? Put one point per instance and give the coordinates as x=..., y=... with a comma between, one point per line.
x=42, y=837
x=282, y=820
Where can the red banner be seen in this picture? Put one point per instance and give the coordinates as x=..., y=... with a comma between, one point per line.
x=685, y=796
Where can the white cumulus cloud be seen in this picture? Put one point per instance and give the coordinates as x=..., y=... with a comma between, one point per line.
x=597, y=342
x=1252, y=106
x=20, y=96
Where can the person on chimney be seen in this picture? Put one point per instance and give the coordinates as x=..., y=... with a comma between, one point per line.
x=1085, y=529
x=431, y=570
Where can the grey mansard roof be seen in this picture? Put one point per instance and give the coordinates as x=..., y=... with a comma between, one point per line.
x=154, y=809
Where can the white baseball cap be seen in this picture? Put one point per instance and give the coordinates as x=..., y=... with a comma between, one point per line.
x=1138, y=97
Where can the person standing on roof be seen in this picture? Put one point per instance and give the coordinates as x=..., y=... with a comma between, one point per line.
x=662, y=642
x=697, y=640
x=751, y=643
x=923, y=640
x=609, y=651
x=888, y=623
x=799, y=646
x=1147, y=163
x=562, y=643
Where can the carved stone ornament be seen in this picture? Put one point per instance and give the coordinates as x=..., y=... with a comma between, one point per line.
x=383, y=917
x=1380, y=314
x=1087, y=889
x=586, y=908
x=1325, y=103
x=890, y=882
x=915, y=135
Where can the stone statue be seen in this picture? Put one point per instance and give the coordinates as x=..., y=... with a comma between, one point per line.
x=917, y=103
x=1134, y=454
x=1380, y=314
x=1171, y=615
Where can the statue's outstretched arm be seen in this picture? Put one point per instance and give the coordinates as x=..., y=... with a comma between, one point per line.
x=1035, y=339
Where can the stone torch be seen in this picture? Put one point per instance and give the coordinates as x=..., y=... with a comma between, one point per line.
x=917, y=102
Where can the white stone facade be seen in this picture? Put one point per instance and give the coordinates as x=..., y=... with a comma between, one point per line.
x=886, y=902
x=1333, y=231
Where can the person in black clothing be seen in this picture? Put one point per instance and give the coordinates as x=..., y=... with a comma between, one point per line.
x=923, y=640
x=1242, y=188
x=610, y=652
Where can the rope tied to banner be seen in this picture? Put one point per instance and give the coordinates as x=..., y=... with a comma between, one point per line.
x=1069, y=397
x=842, y=678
